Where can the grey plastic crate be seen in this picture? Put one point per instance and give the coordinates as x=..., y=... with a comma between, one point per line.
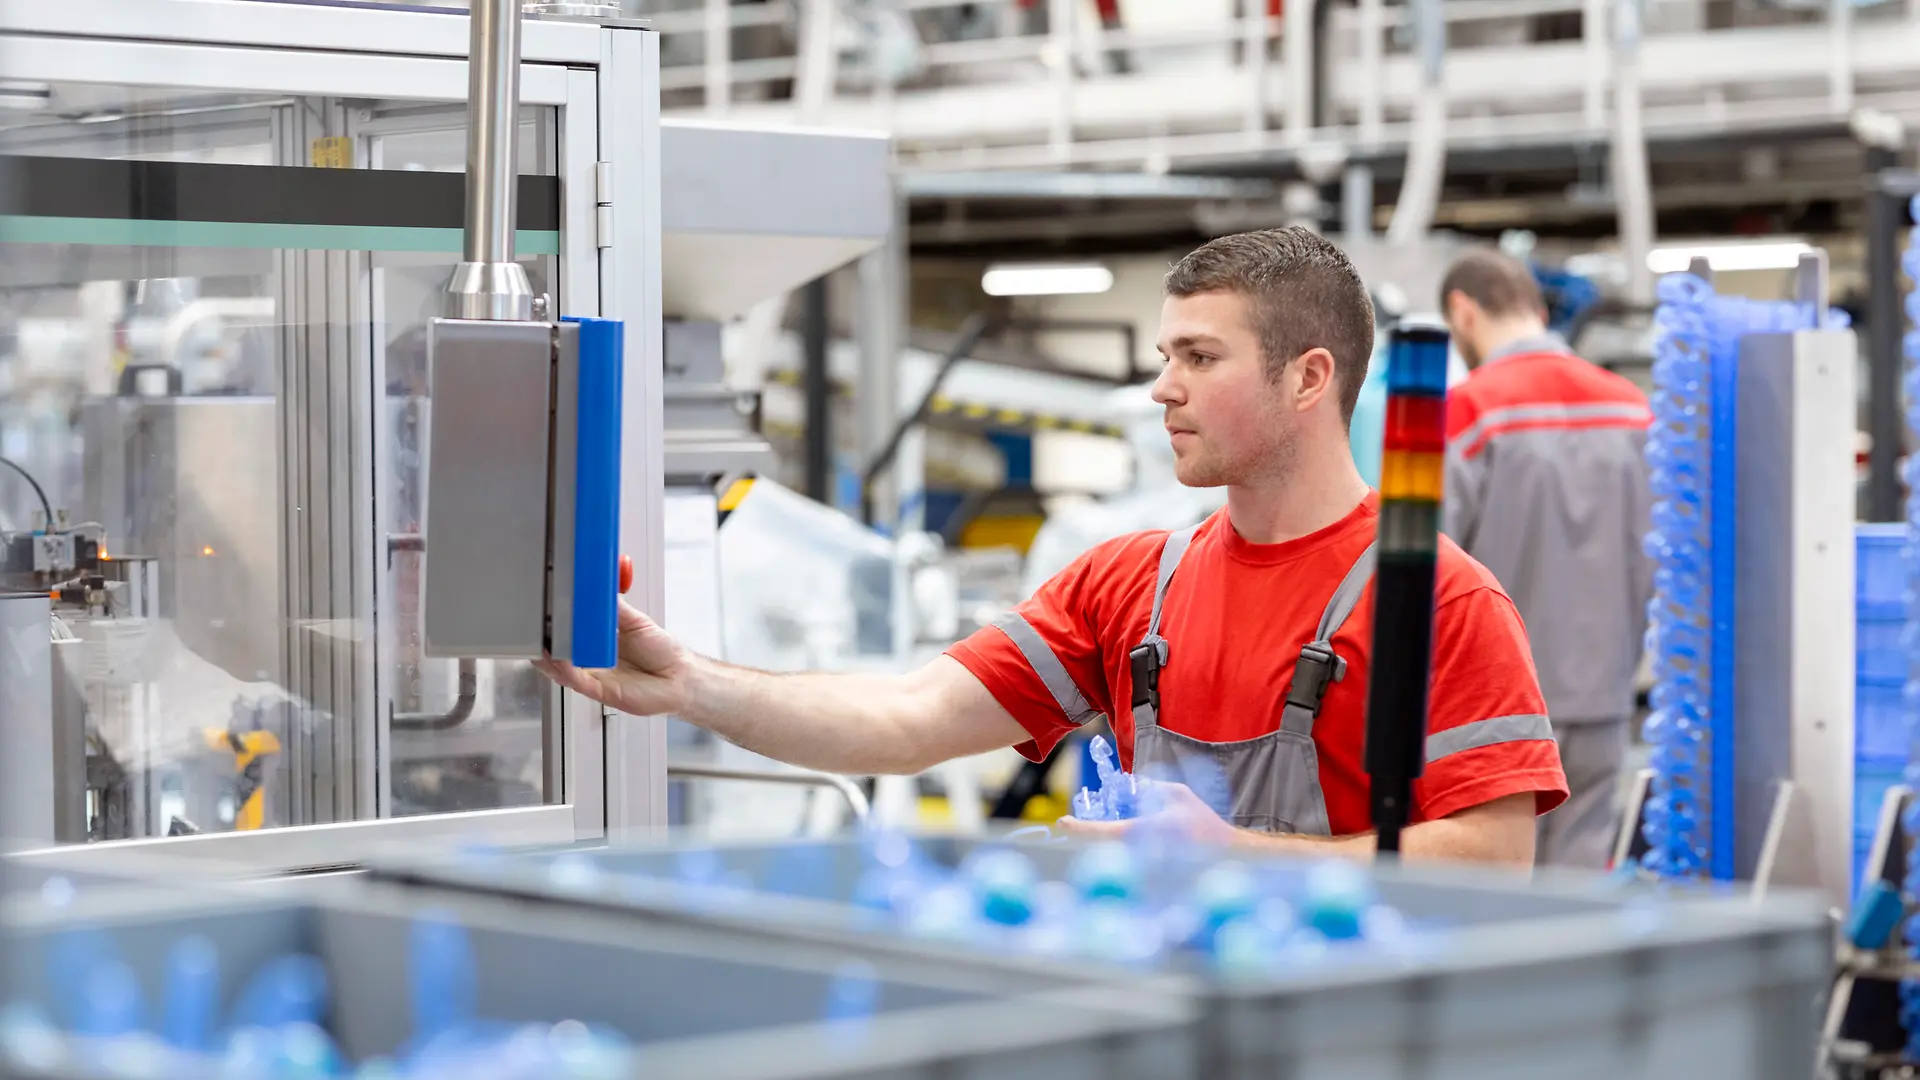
x=1569, y=976
x=695, y=1002
x=79, y=868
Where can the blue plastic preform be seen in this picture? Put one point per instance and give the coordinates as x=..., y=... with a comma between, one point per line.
x=596, y=534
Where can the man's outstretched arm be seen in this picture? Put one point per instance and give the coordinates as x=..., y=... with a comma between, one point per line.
x=843, y=723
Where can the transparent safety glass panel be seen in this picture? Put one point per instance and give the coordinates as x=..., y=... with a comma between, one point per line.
x=212, y=330
x=466, y=735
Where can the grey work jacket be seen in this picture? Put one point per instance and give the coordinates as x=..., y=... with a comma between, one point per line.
x=1547, y=486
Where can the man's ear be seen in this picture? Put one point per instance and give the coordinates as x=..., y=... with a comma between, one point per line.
x=1315, y=378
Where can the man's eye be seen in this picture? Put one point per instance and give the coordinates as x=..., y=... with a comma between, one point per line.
x=1202, y=358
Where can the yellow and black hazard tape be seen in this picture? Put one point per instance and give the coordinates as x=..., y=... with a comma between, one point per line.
x=979, y=413
x=1001, y=417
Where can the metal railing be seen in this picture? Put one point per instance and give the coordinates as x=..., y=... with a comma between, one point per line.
x=791, y=60
x=855, y=798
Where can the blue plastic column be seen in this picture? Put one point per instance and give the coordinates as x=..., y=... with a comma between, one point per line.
x=1722, y=417
x=596, y=533
x=1910, y=636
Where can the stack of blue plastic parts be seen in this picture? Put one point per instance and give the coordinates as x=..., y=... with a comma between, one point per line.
x=1690, y=631
x=1151, y=899
x=1880, y=677
x=101, y=1021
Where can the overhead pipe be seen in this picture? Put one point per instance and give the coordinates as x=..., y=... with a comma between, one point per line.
x=1427, y=154
x=488, y=284
x=1632, y=186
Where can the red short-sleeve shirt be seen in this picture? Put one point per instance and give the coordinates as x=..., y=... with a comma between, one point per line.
x=1235, y=618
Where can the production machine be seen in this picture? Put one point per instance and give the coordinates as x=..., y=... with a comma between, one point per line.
x=733, y=240
x=303, y=465
x=1752, y=638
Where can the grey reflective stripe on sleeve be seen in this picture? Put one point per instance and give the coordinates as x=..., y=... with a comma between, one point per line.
x=1490, y=732
x=1468, y=440
x=1048, y=666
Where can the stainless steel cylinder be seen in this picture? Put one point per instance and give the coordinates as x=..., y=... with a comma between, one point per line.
x=488, y=284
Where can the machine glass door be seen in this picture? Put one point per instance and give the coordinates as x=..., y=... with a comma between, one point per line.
x=212, y=419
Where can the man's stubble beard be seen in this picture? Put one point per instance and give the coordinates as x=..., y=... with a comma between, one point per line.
x=1273, y=464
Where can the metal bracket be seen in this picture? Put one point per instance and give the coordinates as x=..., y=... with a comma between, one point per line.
x=856, y=799
x=603, y=204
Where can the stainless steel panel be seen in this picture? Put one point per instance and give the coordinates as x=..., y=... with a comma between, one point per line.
x=566, y=462
x=731, y=239
x=1793, y=672
x=486, y=512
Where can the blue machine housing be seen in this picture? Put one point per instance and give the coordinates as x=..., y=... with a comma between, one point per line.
x=595, y=614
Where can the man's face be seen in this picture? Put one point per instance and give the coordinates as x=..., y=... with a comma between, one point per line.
x=1226, y=417
x=1464, y=321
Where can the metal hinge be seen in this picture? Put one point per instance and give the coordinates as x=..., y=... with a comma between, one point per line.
x=603, y=204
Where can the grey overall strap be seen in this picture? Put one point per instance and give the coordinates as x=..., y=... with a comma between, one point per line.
x=1319, y=666
x=1147, y=658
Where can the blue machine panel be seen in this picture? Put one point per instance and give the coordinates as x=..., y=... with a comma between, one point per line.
x=596, y=535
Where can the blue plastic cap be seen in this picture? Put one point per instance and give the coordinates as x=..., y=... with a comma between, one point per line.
x=1875, y=916
x=1417, y=360
x=596, y=533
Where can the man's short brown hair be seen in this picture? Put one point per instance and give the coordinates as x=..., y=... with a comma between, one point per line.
x=1303, y=294
x=1501, y=284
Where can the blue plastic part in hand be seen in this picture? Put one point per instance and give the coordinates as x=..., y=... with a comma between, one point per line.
x=1104, y=765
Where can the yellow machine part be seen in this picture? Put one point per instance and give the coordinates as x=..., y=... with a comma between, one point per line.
x=1012, y=530
x=248, y=748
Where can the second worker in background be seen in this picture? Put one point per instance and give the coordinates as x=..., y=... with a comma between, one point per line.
x=1547, y=487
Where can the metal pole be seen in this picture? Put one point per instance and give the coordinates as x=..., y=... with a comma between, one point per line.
x=1356, y=204
x=816, y=385
x=1885, y=320
x=488, y=284
x=1632, y=184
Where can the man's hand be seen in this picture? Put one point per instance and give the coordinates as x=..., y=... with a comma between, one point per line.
x=1164, y=805
x=650, y=679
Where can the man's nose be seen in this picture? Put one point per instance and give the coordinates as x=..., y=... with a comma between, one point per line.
x=1166, y=388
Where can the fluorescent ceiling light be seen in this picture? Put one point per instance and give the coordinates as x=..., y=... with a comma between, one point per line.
x=1767, y=255
x=1045, y=279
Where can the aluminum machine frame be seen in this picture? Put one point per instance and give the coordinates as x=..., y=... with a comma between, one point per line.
x=335, y=85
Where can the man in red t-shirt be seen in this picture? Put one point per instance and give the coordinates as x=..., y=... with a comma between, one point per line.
x=1242, y=642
